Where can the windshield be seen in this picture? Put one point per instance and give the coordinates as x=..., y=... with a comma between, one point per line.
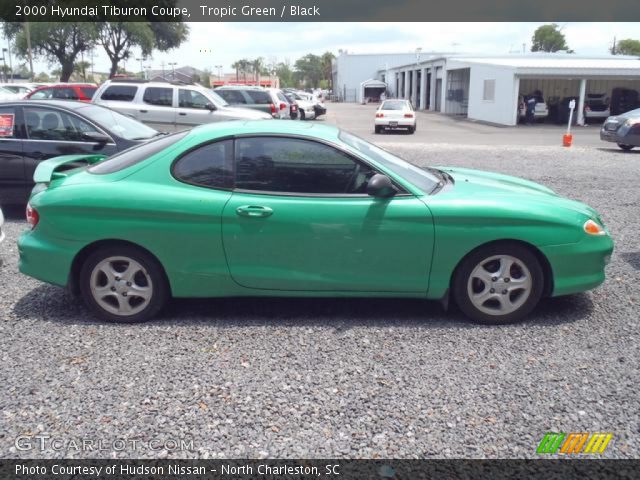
x=218, y=100
x=121, y=125
x=422, y=179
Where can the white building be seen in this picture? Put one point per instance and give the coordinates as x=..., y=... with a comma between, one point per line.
x=488, y=88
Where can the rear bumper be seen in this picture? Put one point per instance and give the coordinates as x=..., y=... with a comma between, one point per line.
x=48, y=260
x=578, y=267
x=400, y=122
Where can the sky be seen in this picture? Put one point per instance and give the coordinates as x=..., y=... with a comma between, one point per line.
x=212, y=44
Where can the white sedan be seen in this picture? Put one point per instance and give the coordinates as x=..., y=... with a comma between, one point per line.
x=395, y=114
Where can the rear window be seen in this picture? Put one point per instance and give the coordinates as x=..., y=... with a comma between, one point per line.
x=394, y=105
x=121, y=93
x=136, y=154
x=88, y=91
x=258, y=97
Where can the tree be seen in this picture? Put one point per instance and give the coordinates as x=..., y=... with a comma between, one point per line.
x=42, y=77
x=285, y=74
x=309, y=69
x=627, y=46
x=549, y=38
x=327, y=68
x=242, y=67
x=117, y=39
x=258, y=68
x=59, y=42
x=81, y=68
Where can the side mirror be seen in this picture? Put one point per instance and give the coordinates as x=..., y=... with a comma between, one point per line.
x=211, y=107
x=380, y=186
x=95, y=137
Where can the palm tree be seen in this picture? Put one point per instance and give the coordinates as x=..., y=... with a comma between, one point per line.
x=327, y=68
x=258, y=66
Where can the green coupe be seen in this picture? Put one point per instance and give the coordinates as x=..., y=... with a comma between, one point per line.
x=294, y=209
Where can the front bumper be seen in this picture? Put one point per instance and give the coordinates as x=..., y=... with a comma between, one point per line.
x=624, y=137
x=578, y=267
x=320, y=110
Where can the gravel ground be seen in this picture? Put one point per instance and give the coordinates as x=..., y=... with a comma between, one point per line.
x=339, y=378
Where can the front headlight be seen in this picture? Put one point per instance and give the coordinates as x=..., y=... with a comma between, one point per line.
x=593, y=228
x=632, y=121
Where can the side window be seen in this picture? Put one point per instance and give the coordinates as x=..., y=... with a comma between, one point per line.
x=88, y=91
x=7, y=122
x=192, y=99
x=158, y=96
x=49, y=124
x=288, y=165
x=258, y=97
x=42, y=94
x=65, y=93
x=121, y=93
x=282, y=98
x=232, y=97
x=209, y=166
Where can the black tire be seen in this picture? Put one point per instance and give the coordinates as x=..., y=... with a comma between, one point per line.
x=624, y=147
x=150, y=271
x=302, y=115
x=377, y=129
x=412, y=130
x=462, y=282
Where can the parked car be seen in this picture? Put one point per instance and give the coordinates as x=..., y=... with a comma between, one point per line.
x=622, y=129
x=169, y=107
x=267, y=100
x=306, y=107
x=6, y=94
x=21, y=89
x=282, y=208
x=293, y=105
x=394, y=114
x=318, y=102
x=32, y=131
x=624, y=100
x=64, y=91
x=1, y=233
x=541, y=110
x=596, y=106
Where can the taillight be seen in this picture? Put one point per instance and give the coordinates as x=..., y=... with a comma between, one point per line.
x=379, y=115
x=32, y=216
x=273, y=108
x=283, y=106
x=408, y=115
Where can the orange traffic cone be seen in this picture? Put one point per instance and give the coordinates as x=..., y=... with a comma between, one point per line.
x=567, y=140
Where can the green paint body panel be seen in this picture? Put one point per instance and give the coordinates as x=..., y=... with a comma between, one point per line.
x=405, y=246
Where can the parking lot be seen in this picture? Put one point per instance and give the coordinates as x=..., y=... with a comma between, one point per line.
x=356, y=378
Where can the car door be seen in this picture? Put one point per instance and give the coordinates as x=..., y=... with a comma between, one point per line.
x=12, y=177
x=156, y=109
x=193, y=109
x=299, y=219
x=50, y=132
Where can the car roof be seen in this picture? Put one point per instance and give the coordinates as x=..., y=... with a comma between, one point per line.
x=67, y=85
x=267, y=127
x=67, y=104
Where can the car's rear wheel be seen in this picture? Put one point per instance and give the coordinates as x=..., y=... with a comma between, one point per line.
x=625, y=147
x=412, y=129
x=377, y=129
x=498, y=284
x=123, y=284
x=301, y=114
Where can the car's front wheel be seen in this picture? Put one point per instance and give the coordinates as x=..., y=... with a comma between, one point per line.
x=123, y=284
x=625, y=147
x=498, y=284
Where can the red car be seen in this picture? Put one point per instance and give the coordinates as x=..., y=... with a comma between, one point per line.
x=64, y=91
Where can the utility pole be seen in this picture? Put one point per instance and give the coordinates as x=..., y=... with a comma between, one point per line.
x=9, y=52
x=613, y=48
x=163, y=71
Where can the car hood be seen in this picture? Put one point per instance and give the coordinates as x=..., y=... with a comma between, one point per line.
x=510, y=190
x=246, y=113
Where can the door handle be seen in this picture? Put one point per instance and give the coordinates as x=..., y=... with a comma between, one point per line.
x=255, y=211
x=182, y=113
x=144, y=111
